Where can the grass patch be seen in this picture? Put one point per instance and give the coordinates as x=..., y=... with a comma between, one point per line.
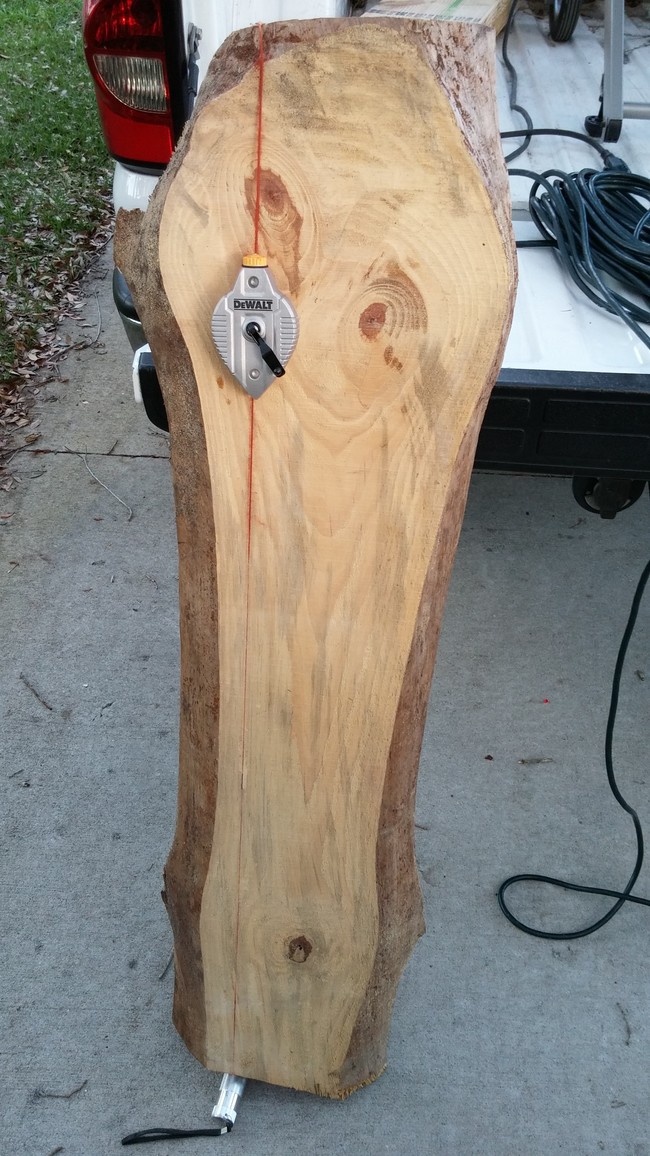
x=55, y=176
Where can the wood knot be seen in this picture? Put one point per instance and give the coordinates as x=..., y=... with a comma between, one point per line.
x=299, y=949
x=275, y=197
x=280, y=223
x=372, y=320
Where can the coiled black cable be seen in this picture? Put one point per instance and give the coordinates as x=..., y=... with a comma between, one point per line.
x=599, y=222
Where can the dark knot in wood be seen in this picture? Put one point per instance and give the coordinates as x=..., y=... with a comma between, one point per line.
x=372, y=320
x=299, y=949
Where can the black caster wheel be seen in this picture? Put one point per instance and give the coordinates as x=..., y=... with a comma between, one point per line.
x=607, y=496
x=562, y=19
x=594, y=126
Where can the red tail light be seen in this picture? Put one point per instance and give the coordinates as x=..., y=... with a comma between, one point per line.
x=125, y=50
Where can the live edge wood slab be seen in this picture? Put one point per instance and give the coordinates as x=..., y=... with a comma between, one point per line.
x=307, y=647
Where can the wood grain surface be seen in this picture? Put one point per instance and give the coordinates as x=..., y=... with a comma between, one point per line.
x=314, y=569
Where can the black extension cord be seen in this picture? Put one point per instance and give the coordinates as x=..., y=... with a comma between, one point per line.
x=514, y=81
x=624, y=896
x=598, y=222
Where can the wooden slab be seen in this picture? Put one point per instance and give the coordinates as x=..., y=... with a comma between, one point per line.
x=307, y=646
x=492, y=13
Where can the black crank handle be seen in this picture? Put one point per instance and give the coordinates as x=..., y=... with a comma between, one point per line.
x=268, y=356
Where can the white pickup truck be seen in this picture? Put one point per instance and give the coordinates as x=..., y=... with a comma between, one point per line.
x=573, y=396
x=147, y=59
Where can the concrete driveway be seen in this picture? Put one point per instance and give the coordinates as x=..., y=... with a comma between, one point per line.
x=501, y=1044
